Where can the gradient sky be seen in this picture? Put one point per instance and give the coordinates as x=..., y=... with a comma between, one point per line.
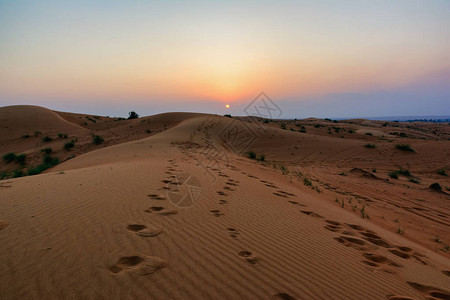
x=314, y=58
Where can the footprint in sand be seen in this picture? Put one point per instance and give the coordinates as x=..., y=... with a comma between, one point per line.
x=407, y=253
x=283, y=296
x=156, y=197
x=280, y=195
x=352, y=242
x=379, y=259
x=249, y=257
x=234, y=233
x=370, y=236
x=3, y=224
x=430, y=291
x=216, y=212
x=311, y=213
x=161, y=210
x=143, y=230
x=395, y=297
x=446, y=273
x=222, y=193
x=333, y=226
x=222, y=201
x=139, y=265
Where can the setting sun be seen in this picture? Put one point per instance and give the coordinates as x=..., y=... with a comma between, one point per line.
x=227, y=106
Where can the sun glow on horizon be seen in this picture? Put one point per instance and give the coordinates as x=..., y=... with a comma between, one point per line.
x=223, y=52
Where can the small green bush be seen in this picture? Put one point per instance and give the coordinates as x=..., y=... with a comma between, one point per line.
x=46, y=139
x=97, y=140
x=69, y=145
x=442, y=172
x=436, y=186
x=404, y=172
x=21, y=158
x=393, y=174
x=25, y=136
x=9, y=157
x=48, y=162
x=370, y=146
x=307, y=182
x=251, y=154
x=404, y=147
x=47, y=150
x=18, y=173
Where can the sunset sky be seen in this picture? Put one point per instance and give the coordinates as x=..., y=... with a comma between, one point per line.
x=313, y=58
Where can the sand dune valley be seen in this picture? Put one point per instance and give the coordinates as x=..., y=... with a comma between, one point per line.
x=202, y=206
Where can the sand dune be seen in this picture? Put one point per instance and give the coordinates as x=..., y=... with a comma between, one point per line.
x=183, y=214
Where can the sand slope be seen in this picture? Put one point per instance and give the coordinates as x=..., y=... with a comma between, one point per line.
x=104, y=224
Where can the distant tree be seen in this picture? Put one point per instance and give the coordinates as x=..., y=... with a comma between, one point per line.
x=132, y=115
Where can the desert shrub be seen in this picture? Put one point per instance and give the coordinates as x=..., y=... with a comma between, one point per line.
x=283, y=126
x=404, y=147
x=442, y=172
x=36, y=133
x=413, y=180
x=227, y=115
x=307, y=182
x=47, y=163
x=436, y=186
x=25, y=136
x=46, y=150
x=50, y=160
x=393, y=174
x=132, y=115
x=46, y=139
x=62, y=135
x=351, y=131
x=69, y=145
x=251, y=154
x=261, y=157
x=21, y=158
x=404, y=172
x=370, y=146
x=148, y=131
x=9, y=157
x=97, y=140
x=369, y=133
x=18, y=173
x=3, y=175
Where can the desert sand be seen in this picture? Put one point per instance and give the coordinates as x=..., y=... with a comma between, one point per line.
x=171, y=206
